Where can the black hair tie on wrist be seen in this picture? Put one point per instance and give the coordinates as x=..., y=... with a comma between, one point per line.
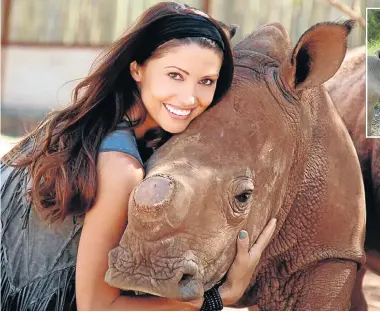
x=213, y=301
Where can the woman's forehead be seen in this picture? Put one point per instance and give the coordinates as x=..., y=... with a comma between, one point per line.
x=189, y=55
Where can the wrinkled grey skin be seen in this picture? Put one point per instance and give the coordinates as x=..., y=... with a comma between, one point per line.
x=373, y=87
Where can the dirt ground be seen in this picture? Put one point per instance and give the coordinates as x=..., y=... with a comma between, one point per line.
x=371, y=291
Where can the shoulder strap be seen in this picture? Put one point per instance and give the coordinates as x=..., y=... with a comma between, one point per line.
x=121, y=140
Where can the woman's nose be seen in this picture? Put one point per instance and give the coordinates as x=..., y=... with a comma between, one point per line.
x=188, y=95
x=188, y=101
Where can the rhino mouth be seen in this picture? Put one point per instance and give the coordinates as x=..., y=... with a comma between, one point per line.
x=180, y=280
x=141, y=293
x=135, y=293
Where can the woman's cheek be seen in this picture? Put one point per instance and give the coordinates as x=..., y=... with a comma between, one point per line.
x=164, y=90
x=206, y=97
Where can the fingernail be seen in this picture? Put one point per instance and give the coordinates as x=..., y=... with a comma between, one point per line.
x=243, y=234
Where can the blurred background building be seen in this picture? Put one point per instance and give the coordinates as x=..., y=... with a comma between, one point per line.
x=47, y=45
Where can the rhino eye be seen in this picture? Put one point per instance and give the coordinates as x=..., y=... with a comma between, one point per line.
x=244, y=197
x=240, y=195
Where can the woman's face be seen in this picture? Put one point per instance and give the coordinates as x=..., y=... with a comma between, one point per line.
x=179, y=85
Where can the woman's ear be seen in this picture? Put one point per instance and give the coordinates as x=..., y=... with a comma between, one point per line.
x=135, y=71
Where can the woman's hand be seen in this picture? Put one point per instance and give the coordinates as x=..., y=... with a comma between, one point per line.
x=244, y=265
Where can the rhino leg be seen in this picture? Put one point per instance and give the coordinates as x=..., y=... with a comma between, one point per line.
x=311, y=288
x=327, y=293
x=358, y=301
x=373, y=261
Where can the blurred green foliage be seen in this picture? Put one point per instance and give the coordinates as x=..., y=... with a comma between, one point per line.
x=373, y=25
x=373, y=46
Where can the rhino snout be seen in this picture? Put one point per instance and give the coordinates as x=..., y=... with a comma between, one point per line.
x=184, y=283
x=154, y=191
x=158, y=205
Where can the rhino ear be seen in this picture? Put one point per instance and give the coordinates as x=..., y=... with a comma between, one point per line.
x=231, y=30
x=317, y=55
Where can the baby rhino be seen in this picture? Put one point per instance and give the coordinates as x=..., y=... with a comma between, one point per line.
x=273, y=147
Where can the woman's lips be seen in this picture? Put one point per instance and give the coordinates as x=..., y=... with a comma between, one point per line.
x=177, y=113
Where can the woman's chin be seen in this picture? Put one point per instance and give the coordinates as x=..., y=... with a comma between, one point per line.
x=174, y=128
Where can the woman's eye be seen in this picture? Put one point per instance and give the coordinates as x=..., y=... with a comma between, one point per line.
x=208, y=82
x=175, y=76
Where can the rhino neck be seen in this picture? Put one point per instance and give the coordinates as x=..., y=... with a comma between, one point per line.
x=317, y=220
x=348, y=101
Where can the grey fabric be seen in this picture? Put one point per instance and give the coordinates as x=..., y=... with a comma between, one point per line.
x=37, y=259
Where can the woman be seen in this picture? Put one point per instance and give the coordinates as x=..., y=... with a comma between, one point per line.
x=66, y=186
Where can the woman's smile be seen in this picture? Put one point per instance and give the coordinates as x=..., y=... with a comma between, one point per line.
x=176, y=112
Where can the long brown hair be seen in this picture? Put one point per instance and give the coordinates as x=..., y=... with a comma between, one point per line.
x=60, y=155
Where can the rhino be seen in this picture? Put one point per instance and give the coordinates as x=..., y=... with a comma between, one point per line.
x=373, y=88
x=348, y=90
x=273, y=147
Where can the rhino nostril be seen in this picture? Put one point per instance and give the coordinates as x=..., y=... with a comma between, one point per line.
x=185, y=279
x=189, y=271
x=190, y=287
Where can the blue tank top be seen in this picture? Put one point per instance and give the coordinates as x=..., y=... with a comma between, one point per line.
x=38, y=260
x=121, y=140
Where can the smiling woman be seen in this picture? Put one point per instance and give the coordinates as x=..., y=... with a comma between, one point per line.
x=180, y=84
x=66, y=186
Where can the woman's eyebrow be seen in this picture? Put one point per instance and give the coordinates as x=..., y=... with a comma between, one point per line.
x=178, y=69
x=210, y=75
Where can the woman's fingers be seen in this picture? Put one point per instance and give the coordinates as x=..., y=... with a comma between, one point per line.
x=242, y=247
x=244, y=264
x=243, y=242
x=243, y=251
x=263, y=240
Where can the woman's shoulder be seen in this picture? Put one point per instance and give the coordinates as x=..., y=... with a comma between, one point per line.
x=118, y=174
x=121, y=140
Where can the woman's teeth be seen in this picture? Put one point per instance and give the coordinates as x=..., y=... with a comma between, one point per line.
x=176, y=111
